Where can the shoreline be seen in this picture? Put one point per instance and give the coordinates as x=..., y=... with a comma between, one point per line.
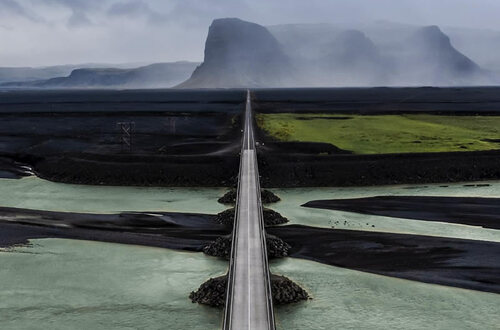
x=451, y=262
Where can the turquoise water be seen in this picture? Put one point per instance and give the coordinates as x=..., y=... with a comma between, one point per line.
x=70, y=284
x=293, y=198
x=347, y=299
x=36, y=193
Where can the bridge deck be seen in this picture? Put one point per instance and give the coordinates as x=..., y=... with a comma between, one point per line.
x=249, y=303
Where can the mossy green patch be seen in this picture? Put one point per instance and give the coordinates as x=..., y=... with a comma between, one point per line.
x=379, y=134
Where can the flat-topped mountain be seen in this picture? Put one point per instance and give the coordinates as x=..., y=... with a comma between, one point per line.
x=240, y=54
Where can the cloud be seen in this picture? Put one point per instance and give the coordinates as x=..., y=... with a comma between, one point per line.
x=134, y=9
x=39, y=32
x=12, y=8
x=78, y=19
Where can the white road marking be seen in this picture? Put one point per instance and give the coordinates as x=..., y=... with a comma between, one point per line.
x=249, y=275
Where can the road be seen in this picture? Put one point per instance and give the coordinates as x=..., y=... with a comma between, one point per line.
x=249, y=301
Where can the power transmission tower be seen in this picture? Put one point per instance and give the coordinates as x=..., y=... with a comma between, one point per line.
x=126, y=130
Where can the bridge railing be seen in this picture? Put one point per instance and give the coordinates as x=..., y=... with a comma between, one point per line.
x=267, y=273
x=234, y=240
x=232, y=260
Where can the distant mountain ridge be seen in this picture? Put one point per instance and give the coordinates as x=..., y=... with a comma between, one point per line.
x=22, y=74
x=162, y=75
x=240, y=54
x=305, y=55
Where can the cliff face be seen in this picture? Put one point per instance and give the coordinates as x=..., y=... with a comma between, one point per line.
x=240, y=54
x=353, y=59
x=326, y=55
x=432, y=58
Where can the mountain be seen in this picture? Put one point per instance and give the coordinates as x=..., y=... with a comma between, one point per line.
x=353, y=59
x=380, y=54
x=428, y=56
x=150, y=76
x=305, y=41
x=23, y=74
x=240, y=54
x=481, y=45
x=244, y=54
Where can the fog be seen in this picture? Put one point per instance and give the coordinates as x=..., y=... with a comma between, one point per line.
x=380, y=54
x=52, y=32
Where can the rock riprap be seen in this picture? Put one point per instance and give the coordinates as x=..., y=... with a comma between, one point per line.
x=271, y=218
x=267, y=197
x=221, y=247
x=276, y=247
x=213, y=291
x=285, y=291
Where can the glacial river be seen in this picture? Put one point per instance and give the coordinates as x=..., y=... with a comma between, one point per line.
x=71, y=284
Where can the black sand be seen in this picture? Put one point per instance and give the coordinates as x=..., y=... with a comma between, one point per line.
x=181, y=231
x=474, y=211
x=459, y=263
x=179, y=138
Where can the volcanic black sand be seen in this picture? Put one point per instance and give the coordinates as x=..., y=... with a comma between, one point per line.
x=313, y=170
x=178, y=138
x=474, y=211
x=181, y=231
x=467, y=100
x=453, y=262
x=10, y=169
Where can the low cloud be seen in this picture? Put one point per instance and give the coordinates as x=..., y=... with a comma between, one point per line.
x=134, y=9
x=49, y=32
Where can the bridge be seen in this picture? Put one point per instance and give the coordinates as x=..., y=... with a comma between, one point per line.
x=249, y=302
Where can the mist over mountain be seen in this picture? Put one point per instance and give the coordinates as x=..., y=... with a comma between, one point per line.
x=241, y=54
x=353, y=59
x=244, y=54
x=21, y=74
x=428, y=56
x=24, y=74
x=158, y=75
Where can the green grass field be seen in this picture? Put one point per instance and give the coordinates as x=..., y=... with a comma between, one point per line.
x=380, y=134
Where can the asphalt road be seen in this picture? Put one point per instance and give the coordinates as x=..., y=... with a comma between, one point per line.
x=250, y=304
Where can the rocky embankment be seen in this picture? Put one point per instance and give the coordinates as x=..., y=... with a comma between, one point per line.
x=221, y=247
x=266, y=196
x=213, y=291
x=271, y=218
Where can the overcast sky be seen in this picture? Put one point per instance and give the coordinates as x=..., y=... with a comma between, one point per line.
x=48, y=32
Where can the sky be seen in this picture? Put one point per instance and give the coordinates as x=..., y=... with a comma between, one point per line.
x=51, y=32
